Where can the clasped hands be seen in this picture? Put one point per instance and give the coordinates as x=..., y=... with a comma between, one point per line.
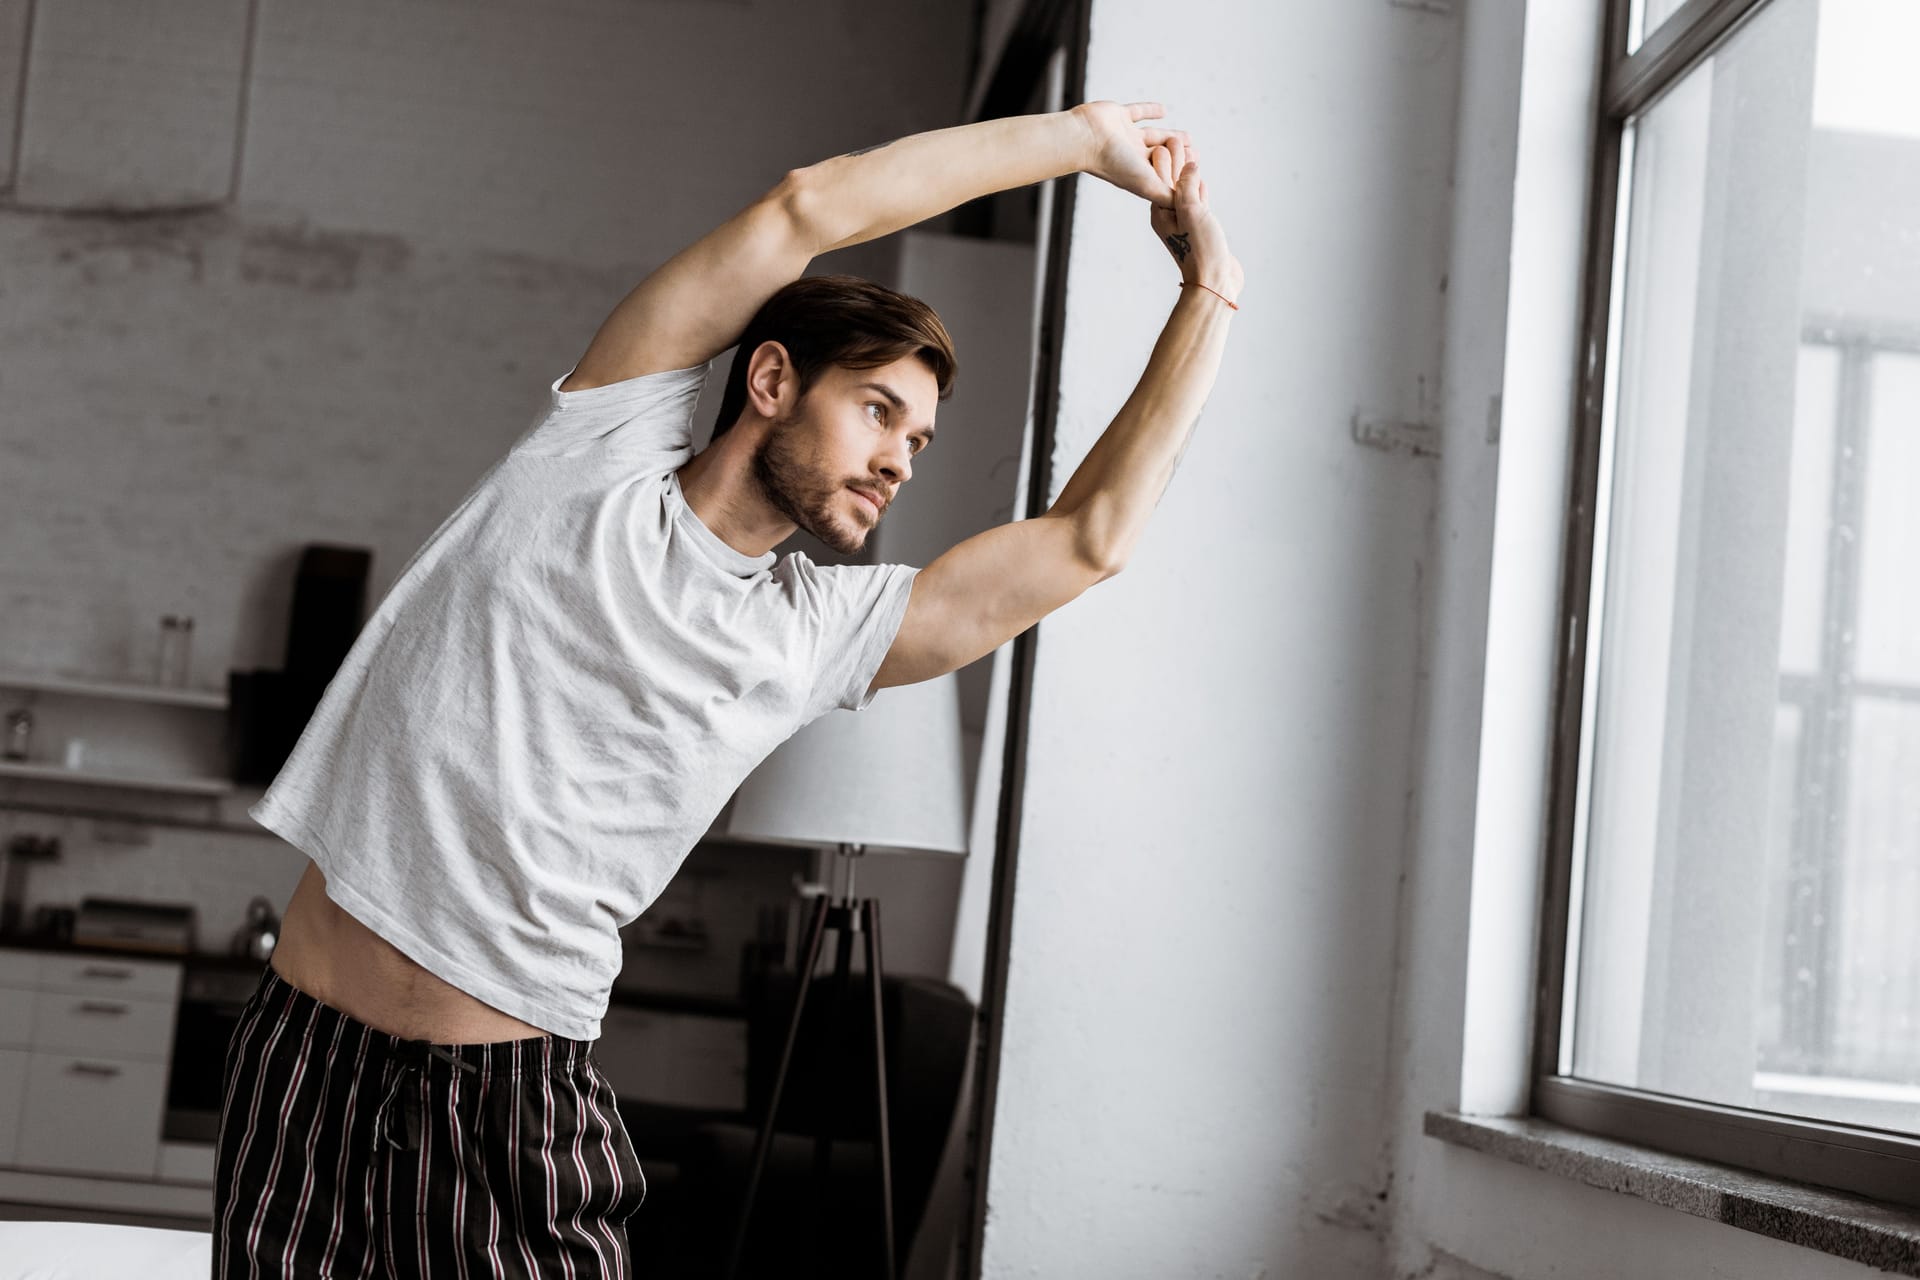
x=1162, y=166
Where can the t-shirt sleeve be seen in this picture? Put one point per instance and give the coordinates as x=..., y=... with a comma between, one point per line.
x=651, y=415
x=857, y=610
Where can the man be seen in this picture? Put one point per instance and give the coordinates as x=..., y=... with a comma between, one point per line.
x=570, y=677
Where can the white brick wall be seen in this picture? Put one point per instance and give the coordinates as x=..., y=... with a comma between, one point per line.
x=592, y=130
x=13, y=36
x=131, y=105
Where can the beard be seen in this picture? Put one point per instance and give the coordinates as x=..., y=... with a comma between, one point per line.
x=792, y=483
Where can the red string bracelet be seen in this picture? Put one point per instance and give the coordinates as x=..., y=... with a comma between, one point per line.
x=1215, y=292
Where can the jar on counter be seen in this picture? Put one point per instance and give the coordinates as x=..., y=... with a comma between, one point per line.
x=176, y=651
x=19, y=734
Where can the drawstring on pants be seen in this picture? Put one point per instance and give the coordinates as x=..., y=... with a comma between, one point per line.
x=411, y=1057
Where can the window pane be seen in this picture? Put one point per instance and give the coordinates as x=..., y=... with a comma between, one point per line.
x=1803, y=583
x=1890, y=525
x=1878, y=983
x=1748, y=857
x=1646, y=19
x=1869, y=1073
x=1782, y=812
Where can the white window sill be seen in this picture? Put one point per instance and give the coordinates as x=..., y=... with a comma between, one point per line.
x=1847, y=1226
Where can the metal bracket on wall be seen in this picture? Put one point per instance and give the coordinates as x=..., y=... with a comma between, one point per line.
x=1414, y=438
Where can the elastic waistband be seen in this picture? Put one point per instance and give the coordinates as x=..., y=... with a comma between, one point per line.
x=280, y=1001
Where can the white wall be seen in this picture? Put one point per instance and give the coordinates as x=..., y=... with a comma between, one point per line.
x=1278, y=883
x=1198, y=1023
x=1472, y=892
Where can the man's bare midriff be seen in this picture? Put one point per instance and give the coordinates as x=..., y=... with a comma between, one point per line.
x=339, y=961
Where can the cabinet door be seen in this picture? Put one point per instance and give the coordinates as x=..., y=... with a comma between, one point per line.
x=13, y=1089
x=97, y=975
x=19, y=968
x=16, y=1017
x=92, y=1115
x=119, y=1026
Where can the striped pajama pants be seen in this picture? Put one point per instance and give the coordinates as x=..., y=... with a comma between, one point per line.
x=348, y=1152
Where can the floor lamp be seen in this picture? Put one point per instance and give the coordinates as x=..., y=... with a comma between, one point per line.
x=886, y=779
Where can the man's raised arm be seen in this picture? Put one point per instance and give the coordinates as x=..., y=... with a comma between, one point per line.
x=991, y=587
x=876, y=190
x=698, y=302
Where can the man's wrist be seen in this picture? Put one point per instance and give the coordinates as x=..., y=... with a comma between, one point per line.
x=1086, y=145
x=1208, y=296
x=1226, y=286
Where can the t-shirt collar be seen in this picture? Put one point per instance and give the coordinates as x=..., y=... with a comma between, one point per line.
x=710, y=543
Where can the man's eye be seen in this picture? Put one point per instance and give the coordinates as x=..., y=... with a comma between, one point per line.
x=875, y=404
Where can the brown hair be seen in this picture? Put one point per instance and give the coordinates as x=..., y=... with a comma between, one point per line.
x=839, y=320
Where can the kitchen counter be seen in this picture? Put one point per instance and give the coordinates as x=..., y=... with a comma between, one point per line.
x=200, y=959
x=625, y=997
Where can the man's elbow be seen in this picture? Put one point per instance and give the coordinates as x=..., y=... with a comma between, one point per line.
x=798, y=194
x=1098, y=551
x=1098, y=563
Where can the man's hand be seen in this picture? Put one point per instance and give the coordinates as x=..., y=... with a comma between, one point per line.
x=1190, y=231
x=1120, y=150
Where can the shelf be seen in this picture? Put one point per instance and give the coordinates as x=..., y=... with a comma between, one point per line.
x=92, y=778
x=105, y=812
x=206, y=699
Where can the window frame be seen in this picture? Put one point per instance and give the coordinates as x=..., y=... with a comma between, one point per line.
x=1877, y=1163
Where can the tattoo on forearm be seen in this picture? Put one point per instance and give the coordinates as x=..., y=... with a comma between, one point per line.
x=1177, y=459
x=875, y=147
x=1178, y=243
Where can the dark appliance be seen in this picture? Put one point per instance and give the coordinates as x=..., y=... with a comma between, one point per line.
x=329, y=596
x=213, y=994
x=267, y=710
x=163, y=928
x=21, y=850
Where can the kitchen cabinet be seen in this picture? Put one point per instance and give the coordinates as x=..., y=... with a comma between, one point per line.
x=117, y=1026
x=92, y=1113
x=16, y=1015
x=84, y=1045
x=13, y=1093
x=90, y=974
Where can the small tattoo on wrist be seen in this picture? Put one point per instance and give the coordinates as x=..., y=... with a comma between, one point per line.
x=1178, y=243
x=875, y=147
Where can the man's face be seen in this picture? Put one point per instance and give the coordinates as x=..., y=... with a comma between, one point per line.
x=834, y=465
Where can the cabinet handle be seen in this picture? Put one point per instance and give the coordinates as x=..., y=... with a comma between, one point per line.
x=100, y=1006
x=93, y=1069
x=106, y=971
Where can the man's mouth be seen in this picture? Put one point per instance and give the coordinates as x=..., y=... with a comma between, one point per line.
x=870, y=496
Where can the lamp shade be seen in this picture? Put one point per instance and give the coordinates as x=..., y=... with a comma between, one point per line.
x=889, y=777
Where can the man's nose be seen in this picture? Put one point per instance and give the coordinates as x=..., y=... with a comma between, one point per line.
x=897, y=465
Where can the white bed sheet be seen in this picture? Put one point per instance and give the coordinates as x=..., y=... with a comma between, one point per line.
x=92, y=1251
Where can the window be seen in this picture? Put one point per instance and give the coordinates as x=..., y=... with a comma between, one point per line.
x=1733, y=959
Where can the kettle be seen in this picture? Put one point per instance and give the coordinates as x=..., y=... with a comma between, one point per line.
x=256, y=937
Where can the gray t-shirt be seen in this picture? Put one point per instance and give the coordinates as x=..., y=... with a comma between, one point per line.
x=558, y=695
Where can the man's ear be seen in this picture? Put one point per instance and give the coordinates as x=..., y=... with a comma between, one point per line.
x=772, y=382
